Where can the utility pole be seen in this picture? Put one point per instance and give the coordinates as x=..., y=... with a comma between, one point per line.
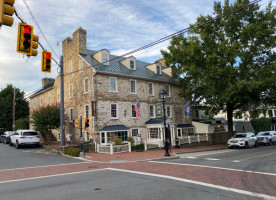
x=13, y=110
x=62, y=103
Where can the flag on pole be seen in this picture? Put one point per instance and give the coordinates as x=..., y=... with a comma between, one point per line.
x=137, y=109
x=187, y=110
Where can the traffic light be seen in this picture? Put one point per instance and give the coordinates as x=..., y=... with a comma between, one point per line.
x=86, y=123
x=6, y=8
x=26, y=40
x=46, y=61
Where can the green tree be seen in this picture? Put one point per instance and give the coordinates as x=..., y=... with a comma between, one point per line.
x=45, y=119
x=227, y=61
x=22, y=124
x=6, y=106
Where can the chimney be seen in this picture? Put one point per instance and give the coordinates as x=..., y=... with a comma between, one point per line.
x=47, y=81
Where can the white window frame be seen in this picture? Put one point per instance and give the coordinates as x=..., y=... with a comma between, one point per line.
x=138, y=132
x=70, y=66
x=86, y=111
x=70, y=91
x=158, y=69
x=130, y=86
x=71, y=114
x=81, y=66
x=179, y=129
x=105, y=61
x=49, y=97
x=116, y=111
x=58, y=137
x=153, y=106
x=41, y=100
x=85, y=86
x=152, y=88
x=58, y=95
x=158, y=134
x=170, y=108
x=169, y=90
x=133, y=107
x=134, y=65
x=115, y=82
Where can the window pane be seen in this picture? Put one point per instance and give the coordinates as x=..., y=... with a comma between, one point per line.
x=134, y=132
x=132, y=87
x=133, y=111
x=150, y=88
x=154, y=133
x=113, y=110
x=112, y=82
x=152, y=111
x=131, y=64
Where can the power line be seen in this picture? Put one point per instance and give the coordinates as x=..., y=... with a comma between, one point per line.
x=170, y=36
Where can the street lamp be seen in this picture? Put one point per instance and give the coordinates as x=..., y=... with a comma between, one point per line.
x=162, y=95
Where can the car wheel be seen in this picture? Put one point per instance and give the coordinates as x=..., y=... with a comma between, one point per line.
x=246, y=145
x=5, y=141
x=17, y=145
x=270, y=142
x=256, y=144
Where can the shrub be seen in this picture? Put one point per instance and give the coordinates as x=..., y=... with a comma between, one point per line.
x=131, y=140
x=140, y=147
x=117, y=141
x=72, y=151
x=261, y=124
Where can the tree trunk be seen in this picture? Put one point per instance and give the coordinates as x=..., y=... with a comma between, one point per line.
x=230, y=110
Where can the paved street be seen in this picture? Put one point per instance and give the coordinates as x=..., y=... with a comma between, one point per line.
x=216, y=174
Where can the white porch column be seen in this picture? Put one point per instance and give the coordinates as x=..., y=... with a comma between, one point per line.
x=198, y=139
x=111, y=149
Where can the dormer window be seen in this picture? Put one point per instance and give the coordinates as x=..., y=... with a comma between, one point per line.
x=105, y=58
x=131, y=63
x=158, y=70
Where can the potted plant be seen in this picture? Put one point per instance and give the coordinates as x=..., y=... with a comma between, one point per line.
x=177, y=142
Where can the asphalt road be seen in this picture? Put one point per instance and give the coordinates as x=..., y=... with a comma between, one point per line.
x=260, y=159
x=11, y=158
x=111, y=185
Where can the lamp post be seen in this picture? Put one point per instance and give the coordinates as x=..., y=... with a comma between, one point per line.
x=163, y=94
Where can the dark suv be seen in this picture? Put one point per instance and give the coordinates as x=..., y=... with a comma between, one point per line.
x=2, y=131
x=6, y=137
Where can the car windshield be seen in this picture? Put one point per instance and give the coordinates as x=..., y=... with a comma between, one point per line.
x=264, y=134
x=240, y=136
x=30, y=133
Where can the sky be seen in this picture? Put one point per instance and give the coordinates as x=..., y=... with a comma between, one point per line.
x=117, y=25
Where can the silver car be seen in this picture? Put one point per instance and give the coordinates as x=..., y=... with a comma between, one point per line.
x=243, y=140
x=266, y=137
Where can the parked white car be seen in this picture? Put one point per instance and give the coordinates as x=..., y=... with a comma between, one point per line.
x=243, y=140
x=266, y=137
x=25, y=137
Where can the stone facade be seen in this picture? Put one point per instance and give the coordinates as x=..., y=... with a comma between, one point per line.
x=84, y=84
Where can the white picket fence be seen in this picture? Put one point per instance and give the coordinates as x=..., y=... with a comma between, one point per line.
x=111, y=149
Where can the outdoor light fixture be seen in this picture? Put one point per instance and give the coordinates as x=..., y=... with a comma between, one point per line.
x=162, y=95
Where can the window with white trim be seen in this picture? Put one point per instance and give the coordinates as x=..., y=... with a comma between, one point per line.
x=133, y=111
x=58, y=137
x=112, y=84
x=70, y=66
x=81, y=65
x=179, y=132
x=71, y=114
x=49, y=97
x=154, y=133
x=86, y=111
x=41, y=100
x=113, y=111
x=58, y=95
x=132, y=64
x=168, y=111
x=85, y=85
x=133, y=86
x=168, y=90
x=158, y=70
x=105, y=58
x=151, y=89
x=152, y=111
x=70, y=91
x=134, y=132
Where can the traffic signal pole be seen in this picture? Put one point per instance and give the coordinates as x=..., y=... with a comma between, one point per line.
x=62, y=103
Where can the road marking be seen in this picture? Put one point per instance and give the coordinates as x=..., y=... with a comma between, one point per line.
x=192, y=157
x=206, y=166
x=212, y=159
x=54, y=175
x=261, y=156
x=185, y=155
x=200, y=183
x=236, y=161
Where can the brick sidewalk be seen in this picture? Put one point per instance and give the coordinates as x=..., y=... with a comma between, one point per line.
x=145, y=155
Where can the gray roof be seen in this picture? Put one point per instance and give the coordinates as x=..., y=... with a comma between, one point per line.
x=114, y=128
x=155, y=121
x=42, y=89
x=117, y=68
x=184, y=125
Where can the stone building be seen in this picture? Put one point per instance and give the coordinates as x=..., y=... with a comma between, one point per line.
x=119, y=95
